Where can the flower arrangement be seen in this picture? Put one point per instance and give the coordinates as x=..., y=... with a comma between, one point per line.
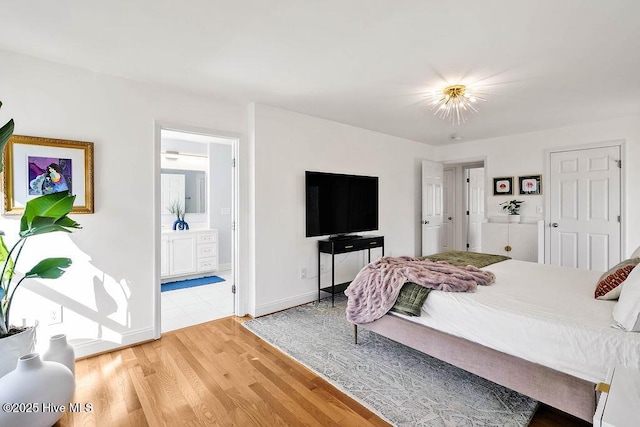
x=179, y=211
x=512, y=206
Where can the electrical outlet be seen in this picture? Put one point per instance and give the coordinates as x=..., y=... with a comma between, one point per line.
x=539, y=209
x=303, y=273
x=55, y=314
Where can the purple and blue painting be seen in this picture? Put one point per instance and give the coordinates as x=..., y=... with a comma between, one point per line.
x=49, y=175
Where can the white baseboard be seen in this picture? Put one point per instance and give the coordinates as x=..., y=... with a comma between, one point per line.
x=285, y=303
x=89, y=347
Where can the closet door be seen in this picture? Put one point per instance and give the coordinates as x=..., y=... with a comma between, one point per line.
x=584, y=208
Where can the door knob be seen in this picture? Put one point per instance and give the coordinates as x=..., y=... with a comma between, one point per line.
x=554, y=224
x=425, y=222
x=450, y=218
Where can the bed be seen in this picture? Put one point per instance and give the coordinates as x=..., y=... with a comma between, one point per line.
x=537, y=330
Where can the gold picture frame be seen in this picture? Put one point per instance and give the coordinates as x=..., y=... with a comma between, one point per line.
x=35, y=166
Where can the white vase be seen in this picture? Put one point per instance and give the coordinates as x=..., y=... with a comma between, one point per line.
x=514, y=218
x=14, y=346
x=49, y=386
x=62, y=352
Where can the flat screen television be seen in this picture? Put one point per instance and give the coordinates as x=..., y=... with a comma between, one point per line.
x=339, y=204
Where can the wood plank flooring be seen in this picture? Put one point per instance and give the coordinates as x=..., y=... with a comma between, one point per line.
x=218, y=374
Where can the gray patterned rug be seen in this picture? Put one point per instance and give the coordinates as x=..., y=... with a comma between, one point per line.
x=402, y=385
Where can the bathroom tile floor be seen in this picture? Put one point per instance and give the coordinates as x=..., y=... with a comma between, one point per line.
x=191, y=306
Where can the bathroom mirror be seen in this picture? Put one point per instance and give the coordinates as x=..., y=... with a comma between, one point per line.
x=186, y=185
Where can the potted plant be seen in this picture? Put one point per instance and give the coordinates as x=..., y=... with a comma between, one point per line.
x=44, y=214
x=178, y=210
x=513, y=208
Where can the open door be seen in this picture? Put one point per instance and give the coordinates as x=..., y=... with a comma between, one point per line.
x=474, y=208
x=432, y=177
x=448, y=209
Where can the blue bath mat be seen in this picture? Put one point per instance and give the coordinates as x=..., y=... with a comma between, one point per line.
x=172, y=286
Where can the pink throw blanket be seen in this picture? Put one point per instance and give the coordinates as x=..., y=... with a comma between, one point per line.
x=376, y=287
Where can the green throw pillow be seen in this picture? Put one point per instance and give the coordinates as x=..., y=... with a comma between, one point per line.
x=411, y=299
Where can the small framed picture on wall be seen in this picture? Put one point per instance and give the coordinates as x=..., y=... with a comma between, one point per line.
x=530, y=184
x=503, y=186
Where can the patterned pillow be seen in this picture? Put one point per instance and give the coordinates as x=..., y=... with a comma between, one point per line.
x=609, y=285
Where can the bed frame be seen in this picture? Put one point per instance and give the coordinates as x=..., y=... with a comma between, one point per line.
x=557, y=389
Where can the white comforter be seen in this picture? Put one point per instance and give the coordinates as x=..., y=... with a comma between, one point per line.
x=541, y=313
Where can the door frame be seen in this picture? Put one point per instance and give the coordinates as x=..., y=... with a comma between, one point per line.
x=236, y=262
x=621, y=143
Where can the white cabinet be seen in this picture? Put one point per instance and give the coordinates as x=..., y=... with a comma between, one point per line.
x=618, y=404
x=207, y=251
x=515, y=240
x=185, y=253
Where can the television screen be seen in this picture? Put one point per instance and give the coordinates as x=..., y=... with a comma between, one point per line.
x=340, y=204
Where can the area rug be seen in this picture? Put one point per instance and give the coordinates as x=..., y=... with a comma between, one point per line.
x=190, y=283
x=402, y=385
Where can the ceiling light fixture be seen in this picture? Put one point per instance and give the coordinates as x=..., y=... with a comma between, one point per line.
x=453, y=102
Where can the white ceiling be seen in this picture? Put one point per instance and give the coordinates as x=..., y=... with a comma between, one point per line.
x=542, y=63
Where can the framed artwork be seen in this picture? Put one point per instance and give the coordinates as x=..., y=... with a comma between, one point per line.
x=34, y=166
x=530, y=184
x=503, y=186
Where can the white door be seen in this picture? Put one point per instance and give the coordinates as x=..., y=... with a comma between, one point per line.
x=448, y=209
x=475, y=208
x=432, y=175
x=164, y=256
x=172, y=189
x=584, y=208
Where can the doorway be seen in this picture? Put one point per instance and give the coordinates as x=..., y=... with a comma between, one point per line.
x=463, y=206
x=197, y=266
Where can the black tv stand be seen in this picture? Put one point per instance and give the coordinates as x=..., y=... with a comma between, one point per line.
x=345, y=237
x=343, y=245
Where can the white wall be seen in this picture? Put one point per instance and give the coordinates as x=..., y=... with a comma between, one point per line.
x=286, y=145
x=109, y=290
x=108, y=293
x=524, y=154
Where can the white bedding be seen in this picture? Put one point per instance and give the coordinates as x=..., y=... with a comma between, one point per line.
x=541, y=313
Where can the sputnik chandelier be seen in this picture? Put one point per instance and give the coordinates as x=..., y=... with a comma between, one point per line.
x=453, y=103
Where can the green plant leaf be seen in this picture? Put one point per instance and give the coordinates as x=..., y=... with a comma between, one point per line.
x=49, y=268
x=5, y=133
x=5, y=259
x=65, y=221
x=42, y=225
x=43, y=230
x=55, y=206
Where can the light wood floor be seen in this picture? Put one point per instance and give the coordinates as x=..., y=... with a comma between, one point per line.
x=218, y=373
